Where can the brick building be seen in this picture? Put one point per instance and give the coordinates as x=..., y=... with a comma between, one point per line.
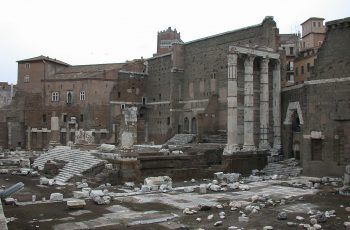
x=184, y=88
x=315, y=114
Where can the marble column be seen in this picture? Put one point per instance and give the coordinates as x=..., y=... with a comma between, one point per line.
x=264, y=104
x=232, y=116
x=248, y=104
x=29, y=138
x=276, y=109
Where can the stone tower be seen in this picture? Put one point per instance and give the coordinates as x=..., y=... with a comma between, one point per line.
x=166, y=39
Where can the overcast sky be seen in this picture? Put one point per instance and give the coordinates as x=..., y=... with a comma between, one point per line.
x=91, y=31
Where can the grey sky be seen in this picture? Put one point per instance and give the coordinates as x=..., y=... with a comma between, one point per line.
x=91, y=31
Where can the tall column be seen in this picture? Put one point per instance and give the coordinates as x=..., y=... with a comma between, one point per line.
x=276, y=109
x=264, y=104
x=232, y=116
x=29, y=137
x=248, y=104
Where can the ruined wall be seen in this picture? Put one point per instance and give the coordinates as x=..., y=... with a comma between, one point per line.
x=159, y=90
x=180, y=84
x=325, y=143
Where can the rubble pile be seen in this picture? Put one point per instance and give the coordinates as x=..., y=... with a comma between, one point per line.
x=286, y=168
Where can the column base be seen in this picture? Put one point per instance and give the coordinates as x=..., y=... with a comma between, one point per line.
x=231, y=149
x=249, y=148
x=264, y=146
x=275, y=150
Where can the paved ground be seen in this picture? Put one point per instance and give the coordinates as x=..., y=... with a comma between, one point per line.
x=164, y=210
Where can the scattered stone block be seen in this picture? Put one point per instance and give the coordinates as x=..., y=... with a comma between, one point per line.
x=268, y=228
x=80, y=194
x=44, y=181
x=145, y=188
x=210, y=217
x=215, y=188
x=218, y=223
x=299, y=218
x=188, y=189
x=76, y=204
x=157, y=181
x=291, y=224
x=202, y=188
x=219, y=175
x=199, y=219
x=282, y=216
x=10, y=201
x=56, y=196
x=347, y=225
x=82, y=185
x=94, y=193
x=243, y=219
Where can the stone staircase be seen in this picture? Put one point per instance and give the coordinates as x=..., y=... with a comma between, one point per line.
x=181, y=139
x=77, y=162
x=289, y=167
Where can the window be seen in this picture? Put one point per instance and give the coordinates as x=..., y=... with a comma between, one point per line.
x=122, y=106
x=82, y=95
x=27, y=65
x=65, y=118
x=69, y=97
x=296, y=71
x=291, y=50
x=308, y=67
x=160, y=96
x=314, y=24
x=143, y=101
x=55, y=96
x=44, y=117
x=319, y=24
x=118, y=94
x=26, y=78
x=168, y=120
x=81, y=117
x=302, y=69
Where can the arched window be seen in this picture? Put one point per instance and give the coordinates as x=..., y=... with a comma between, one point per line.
x=194, y=125
x=69, y=97
x=186, y=125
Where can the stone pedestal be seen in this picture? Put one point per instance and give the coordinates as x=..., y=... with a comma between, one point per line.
x=55, y=132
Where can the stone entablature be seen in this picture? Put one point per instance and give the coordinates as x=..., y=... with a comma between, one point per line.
x=248, y=55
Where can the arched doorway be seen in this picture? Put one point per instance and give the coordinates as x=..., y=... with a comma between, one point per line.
x=194, y=125
x=186, y=125
x=296, y=150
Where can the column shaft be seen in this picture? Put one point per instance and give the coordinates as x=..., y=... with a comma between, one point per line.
x=264, y=104
x=277, y=107
x=248, y=104
x=232, y=137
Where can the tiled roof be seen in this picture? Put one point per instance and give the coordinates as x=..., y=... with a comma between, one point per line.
x=45, y=58
x=86, y=71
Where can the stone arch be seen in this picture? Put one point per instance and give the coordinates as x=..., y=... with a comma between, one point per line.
x=293, y=107
x=194, y=125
